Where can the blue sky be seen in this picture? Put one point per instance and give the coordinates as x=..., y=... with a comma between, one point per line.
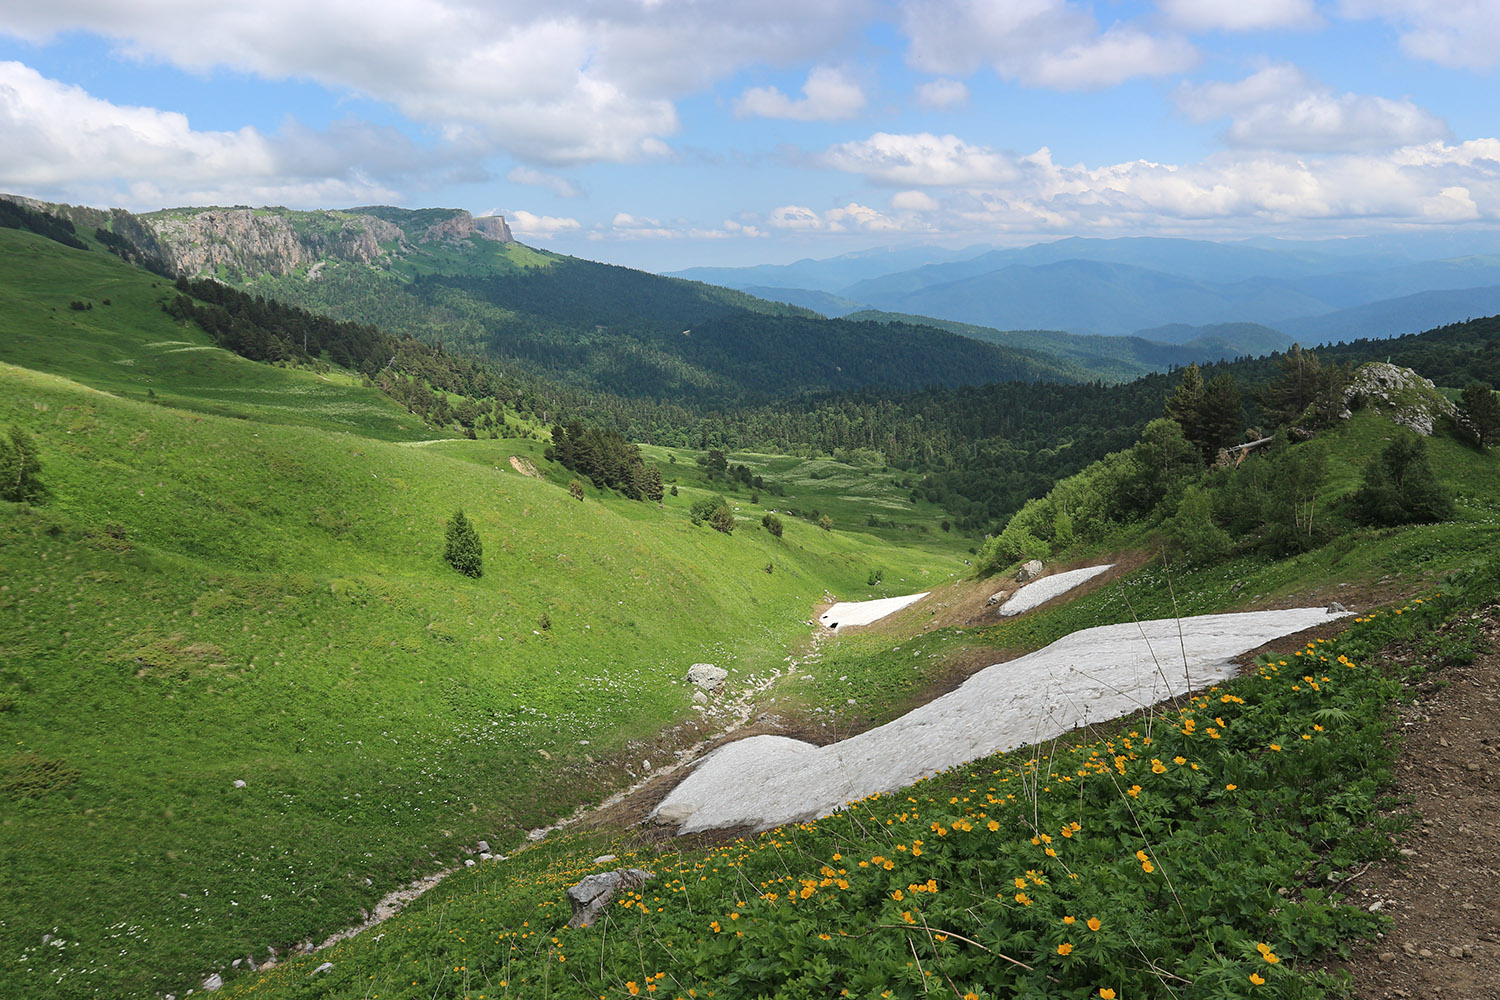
x=669, y=133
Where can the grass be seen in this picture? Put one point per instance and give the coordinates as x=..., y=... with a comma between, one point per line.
x=130, y=348
x=202, y=600
x=1197, y=851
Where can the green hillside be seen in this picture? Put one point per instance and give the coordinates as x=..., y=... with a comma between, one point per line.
x=595, y=327
x=237, y=574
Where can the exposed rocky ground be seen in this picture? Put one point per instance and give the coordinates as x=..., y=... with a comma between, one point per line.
x=1441, y=893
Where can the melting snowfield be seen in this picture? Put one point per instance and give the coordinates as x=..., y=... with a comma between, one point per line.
x=847, y=613
x=1039, y=592
x=1090, y=676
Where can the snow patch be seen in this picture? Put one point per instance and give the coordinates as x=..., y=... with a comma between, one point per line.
x=1090, y=676
x=847, y=613
x=1041, y=591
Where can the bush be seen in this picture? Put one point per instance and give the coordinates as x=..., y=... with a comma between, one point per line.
x=464, y=551
x=771, y=523
x=825, y=522
x=715, y=510
x=19, y=467
x=1400, y=488
x=722, y=519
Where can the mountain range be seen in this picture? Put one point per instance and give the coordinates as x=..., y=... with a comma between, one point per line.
x=1314, y=292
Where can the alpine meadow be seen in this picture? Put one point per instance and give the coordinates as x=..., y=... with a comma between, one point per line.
x=888, y=501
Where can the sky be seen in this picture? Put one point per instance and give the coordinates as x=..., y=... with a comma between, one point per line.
x=664, y=134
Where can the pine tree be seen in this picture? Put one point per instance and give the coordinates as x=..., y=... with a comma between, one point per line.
x=464, y=551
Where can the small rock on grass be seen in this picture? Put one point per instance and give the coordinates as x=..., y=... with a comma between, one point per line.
x=325, y=967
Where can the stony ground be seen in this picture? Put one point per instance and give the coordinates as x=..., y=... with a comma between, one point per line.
x=1443, y=894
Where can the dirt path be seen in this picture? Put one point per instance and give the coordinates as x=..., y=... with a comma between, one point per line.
x=1445, y=941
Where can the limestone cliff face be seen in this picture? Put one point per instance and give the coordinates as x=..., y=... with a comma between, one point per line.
x=278, y=242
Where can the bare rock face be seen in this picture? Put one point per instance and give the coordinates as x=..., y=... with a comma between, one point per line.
x=594, y=893
x=1400, y=394
x=277, y=242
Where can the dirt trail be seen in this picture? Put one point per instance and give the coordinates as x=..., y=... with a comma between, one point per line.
x=1445, y=940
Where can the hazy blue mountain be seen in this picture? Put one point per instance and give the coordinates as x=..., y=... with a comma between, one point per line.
x=1094, y=297
x=828, y=275
x=1393, y=317
x=1115, y=359
x=1353, y=288
x=827, y=303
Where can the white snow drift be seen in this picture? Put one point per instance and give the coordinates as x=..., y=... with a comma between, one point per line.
x=847, y=613
x=1090, y=676
x=1039, y=592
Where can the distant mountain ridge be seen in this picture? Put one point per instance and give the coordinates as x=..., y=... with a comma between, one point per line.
x=1137, y=285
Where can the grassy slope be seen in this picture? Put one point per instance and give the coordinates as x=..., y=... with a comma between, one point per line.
x=203, y=599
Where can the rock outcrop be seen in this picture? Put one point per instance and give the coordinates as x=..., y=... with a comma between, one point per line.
x=590, y=896
x=249, y=242
x=1400, y=394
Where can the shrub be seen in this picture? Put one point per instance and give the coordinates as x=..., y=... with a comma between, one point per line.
x=825, y=522
x=721, y=518
x=464, y=551
x=1400, y=488
x=576, y=488
x=771, y=523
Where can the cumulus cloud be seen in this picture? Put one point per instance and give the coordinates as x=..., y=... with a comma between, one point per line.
x=795, y=217
x=1281, y=108
x=1241, y=15
x=942, y=94
x=572, y=81
x=63, y=141
x=560, y=186
x=859, y=217
x=1463, y=34
x=528, y=224
x=914, y=201
x=828, y=95
x=1429, y=182
x=1049, y=43
x=627, y=227
x=919, y=159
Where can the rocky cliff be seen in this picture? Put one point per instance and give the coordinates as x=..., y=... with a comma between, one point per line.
x=277, y=241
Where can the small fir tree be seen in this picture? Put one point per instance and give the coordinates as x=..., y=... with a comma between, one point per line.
x=464, y=551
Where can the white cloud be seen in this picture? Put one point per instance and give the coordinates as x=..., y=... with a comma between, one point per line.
x=1279, y=107
x=1112, y=58
x=1241, y=15
x=795, y=217
x=63, y=142
x=527, y=224
x=920, y=159
x=860, y=217
x=914, y=201
x=1424, y=183
x=633, y=227
x=560, y=186
x=828, y=95
x=571, y=81
x=1462, y=34
x=942, y=94
x=1050, y=43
